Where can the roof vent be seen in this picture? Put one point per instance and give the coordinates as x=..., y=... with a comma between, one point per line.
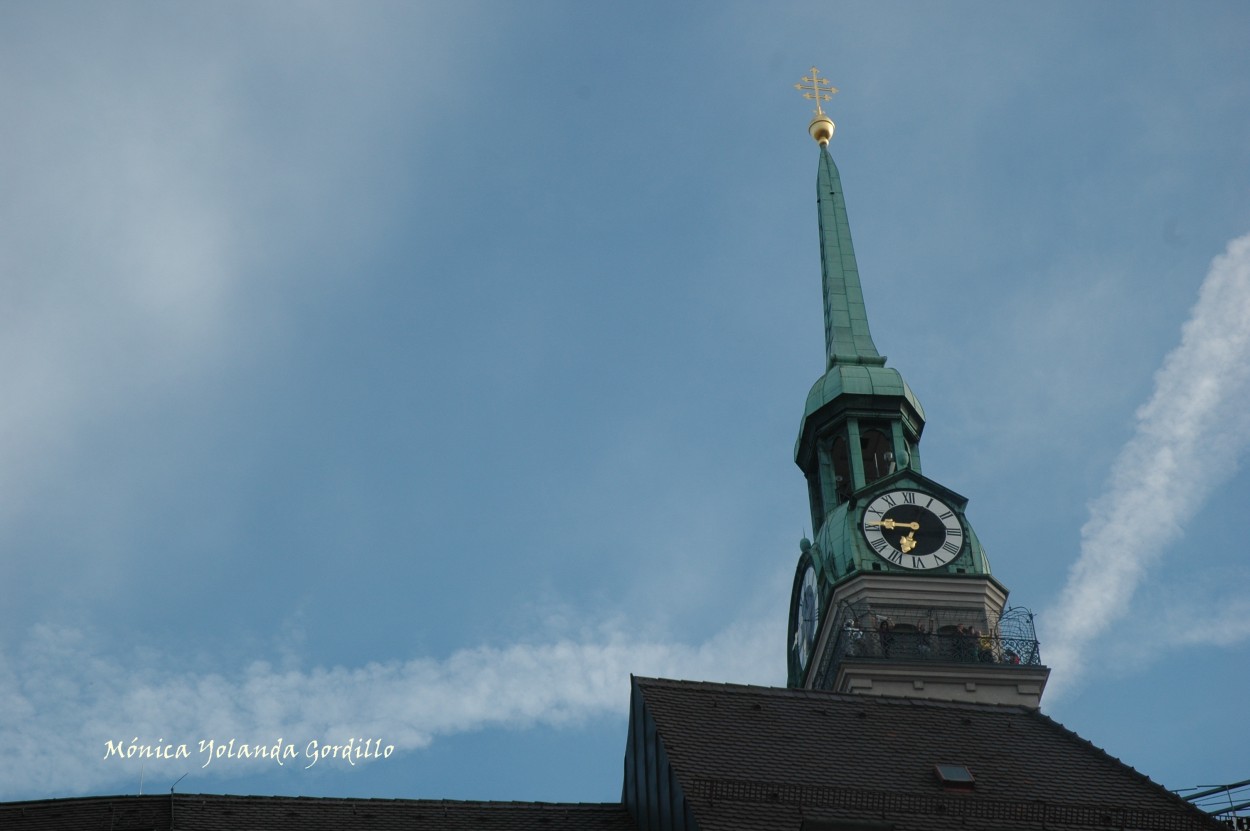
x=955, y=776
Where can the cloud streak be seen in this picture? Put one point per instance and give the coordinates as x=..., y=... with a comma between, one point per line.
x=1188, y=439
x=67, y=703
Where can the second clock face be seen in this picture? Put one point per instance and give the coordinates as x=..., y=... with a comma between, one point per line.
x=913, y=529
x=808, y=619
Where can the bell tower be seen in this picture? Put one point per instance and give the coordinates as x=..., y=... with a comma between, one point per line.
x=894, y=596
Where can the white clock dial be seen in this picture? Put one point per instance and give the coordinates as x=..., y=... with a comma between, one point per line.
x=913, y=529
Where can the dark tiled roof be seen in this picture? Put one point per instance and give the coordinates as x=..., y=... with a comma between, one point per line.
x=762, y=757
x=200, y=812
x=747, y=758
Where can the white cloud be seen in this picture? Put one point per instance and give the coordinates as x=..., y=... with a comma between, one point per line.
x=1188, y=440
x=66, y=702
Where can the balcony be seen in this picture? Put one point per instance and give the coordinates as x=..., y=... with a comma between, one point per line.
x=932, y=636
x=906, y=643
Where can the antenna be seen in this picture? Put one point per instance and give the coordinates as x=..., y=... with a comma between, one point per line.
x=1212, y=799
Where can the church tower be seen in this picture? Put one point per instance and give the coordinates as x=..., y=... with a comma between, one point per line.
x=894, y=596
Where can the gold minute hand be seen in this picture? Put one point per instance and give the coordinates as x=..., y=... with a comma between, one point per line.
x=890, y=524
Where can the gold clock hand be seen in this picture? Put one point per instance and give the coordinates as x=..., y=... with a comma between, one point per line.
x=890, y=524
x=908, y=542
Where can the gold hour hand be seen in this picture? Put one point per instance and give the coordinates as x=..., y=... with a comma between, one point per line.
x=890, y=524
x=908, y=542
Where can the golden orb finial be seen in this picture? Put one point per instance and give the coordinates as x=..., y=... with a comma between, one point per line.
x=818, y=89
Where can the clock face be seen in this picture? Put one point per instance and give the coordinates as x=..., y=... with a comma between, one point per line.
x=913, y=529
x=807, y=618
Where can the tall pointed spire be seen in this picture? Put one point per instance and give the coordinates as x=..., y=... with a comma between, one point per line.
x=847, y=339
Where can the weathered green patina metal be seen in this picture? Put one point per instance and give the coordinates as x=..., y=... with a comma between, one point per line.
x=847, y=339
x=843, y=380
x=856, y=392
x=857, y=389
x=841, y=550
x=855, y=370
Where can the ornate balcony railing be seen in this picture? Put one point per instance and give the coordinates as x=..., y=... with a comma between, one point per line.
x=939, y=635
x=912, y=645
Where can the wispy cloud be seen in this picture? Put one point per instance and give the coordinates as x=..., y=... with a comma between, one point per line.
x=66, y=702
x=1188, y=440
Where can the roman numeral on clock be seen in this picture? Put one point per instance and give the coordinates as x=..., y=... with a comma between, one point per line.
x=912, y=529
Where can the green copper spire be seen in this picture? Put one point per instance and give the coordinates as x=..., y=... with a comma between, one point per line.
x=847, y=339
x=861, y=422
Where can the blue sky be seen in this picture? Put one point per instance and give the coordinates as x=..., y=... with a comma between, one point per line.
x=418, y=372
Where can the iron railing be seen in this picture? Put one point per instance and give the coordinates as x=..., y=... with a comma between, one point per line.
x=951, y=635
x=961, y=647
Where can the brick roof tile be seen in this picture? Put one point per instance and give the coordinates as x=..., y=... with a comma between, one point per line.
x=781, y=754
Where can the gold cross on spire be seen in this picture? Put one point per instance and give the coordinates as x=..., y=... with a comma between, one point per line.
x=817, y=89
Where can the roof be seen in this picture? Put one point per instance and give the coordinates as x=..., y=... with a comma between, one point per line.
x=724, y=757
x=206, y=812
x=856, y=379
x=769, y=758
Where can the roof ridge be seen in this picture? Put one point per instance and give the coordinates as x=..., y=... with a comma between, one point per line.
x=183, y=797
x=825, y=695
x=1071, y=734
